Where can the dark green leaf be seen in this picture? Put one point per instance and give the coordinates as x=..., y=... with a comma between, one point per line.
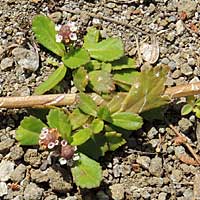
x=114, y=140
x=186, y=109
x=97, y=126
x=80, y=79
x=101, y=81
x=93, y=65
x=87, y=173
x=58, y=119
x=81, y=136
x=77, y=118
x=76, y=58
x=44, y=30
x=29, y=130
x=106, y=50
x=127, y=120
x=123, y=63
x=104, y=114
x=87, y=105
x=52, y=80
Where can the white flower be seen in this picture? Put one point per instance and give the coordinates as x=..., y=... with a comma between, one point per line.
x=72, y=26
x=62, y=161
x=59, y=38
x=73, y=36
x=58, y=27
x=51, y=145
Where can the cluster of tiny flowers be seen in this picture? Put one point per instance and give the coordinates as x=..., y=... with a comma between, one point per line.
x=68, y=154
x=49, y=138
x=67, y=32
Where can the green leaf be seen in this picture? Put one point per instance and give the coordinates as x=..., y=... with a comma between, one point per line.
x=101, y=81
x=197, y=103
x=106, y=67
x=197, y=112
x=186, y=109
x=114, y=140
x=124, y=63
x=58, y=119
x=97, y=126
x=77, y=118
x=52, y=80
x=45, y=33
x=93, y=65
x=29, y=130
x=104, y=114
x=107, y=50
x=87, y=105
x=87, y=173
x=147, y=91
x=76, y=58
x=127, y=120
x=80, y=79
x=125, y=78
x=81, y=136
x=97, y=143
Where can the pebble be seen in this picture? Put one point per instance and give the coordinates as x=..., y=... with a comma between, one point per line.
x=117, y=191
x=3, y=189
x=155, y=167
x=144, y=161
x=185, y=124
x=33, y=192
x=31, y=157
x=16, y=152
x=162, y=196
x=39, y=176
x=176, y=175
x=152, y=133
x=116, y=170
x=6, y=169
x=180, y=27
x=51, y=197
x=26, y=59
x=6, y=63
x=188, y=194
x=186, y=69
x=18, y=174
x=6, y=144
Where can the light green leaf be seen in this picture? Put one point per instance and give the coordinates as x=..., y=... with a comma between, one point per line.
x=58, y=119
x=107, y=50
x=197, y=112
x=114, y=140
x=52, y=80
x=127, y=120
x=106, y=67
x=197, y=103
x=101, y=81
x=97, y=126
x=76, y=58
x=87, y=105
x=124, y=63
x=81, y=136
x=80, y=79
x=186, y=109
x=77, y=118
x=147, y=91
x=91, y=37
x=29, y=130
x=44, y=30
x=87, y=173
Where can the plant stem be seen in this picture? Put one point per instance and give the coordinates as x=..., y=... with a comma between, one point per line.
x=43, y=101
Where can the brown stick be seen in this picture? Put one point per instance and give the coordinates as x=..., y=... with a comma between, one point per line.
x=69, y=99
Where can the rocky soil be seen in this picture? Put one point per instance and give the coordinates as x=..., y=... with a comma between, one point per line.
x=150, y=165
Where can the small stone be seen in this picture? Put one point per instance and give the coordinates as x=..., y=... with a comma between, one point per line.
x=191, y=61
x=180, y=27
x=56, y=16
x=188, y=194
x=116, y=170
x=186, y=69
x=111, y=5
x=33, y=192
x=145, y=195
x=39, y=176
x=16, y=152
x=156, y=167
x=117, y=191
x=144, y=161
x=6, y=144
x=162, y=196
x=151, y=8
x=172, y=65
x=3, y=189
x=31, y=157
x=6, y=63
x=71, y=198
x=102, y=196
x=156, y=181
x=176, y=175
x=188, y=6
x=26, y=59
x=6, y=169
x=51, y=197
x=176, y=74
x=152, y=133
x=185, y=124
x=165, y=61
x=171, y=36
x=180, y=150
x=18, y=174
